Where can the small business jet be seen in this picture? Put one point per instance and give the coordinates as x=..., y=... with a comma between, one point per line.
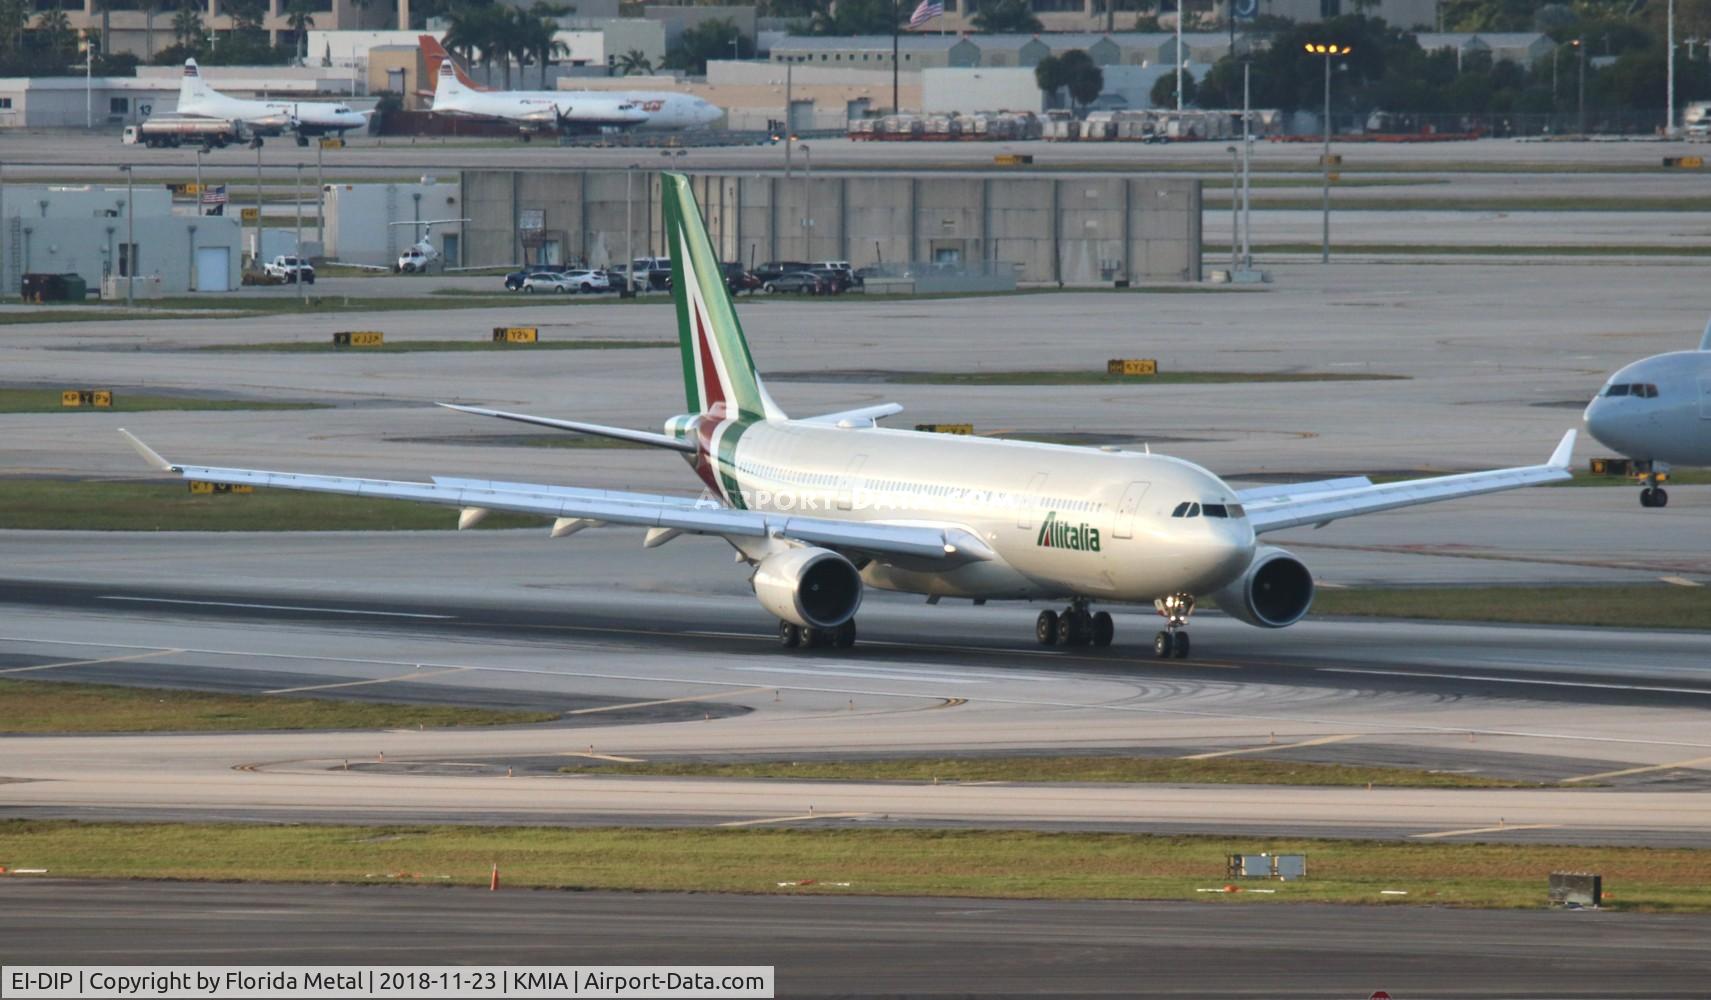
x=822, y=507
x=664, y=109
x=1658, y=410
x=303, y=118
x=416, y=257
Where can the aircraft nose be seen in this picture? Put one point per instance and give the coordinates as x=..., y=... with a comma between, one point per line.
x=1221, y=553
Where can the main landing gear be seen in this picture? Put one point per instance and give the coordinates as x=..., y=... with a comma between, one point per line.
x=1075, y=627
x=1173, y=641
x=1653, y=495
x=792, y=636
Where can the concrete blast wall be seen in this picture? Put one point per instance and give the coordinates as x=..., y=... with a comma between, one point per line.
x=1077, y=231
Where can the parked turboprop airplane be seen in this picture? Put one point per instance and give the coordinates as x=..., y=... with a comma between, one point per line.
x=824, y=506
x=566, y=110
x=665, y=109
x=1658, y=410
x=305, y=118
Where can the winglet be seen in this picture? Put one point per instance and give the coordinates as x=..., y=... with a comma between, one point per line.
x=1705, y=341
x=149, y=455
x=1564, y=454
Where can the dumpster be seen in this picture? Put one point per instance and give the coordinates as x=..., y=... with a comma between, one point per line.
x=54, y=288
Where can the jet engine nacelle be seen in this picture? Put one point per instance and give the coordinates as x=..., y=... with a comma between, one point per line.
x=1276, y=590
x=813, y=588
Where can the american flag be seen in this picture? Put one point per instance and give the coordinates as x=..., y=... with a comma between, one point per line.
x=927, y=10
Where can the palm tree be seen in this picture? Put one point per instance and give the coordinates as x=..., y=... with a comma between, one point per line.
x=473, y=29
x=150, y=9
x=634, y=62
x=540, y=36
x=247, y=15
x=14, y=15
x=55, y=28
x=300, y=17
x=106, y=9
x=187, y=26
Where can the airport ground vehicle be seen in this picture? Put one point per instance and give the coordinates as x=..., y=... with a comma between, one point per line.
x=290, y=268
x=173, y=130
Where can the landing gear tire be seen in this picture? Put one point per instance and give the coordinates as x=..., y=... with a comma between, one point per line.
x=1045, y=628
x=844, y=636
x=1163, y=645
x=1654, y=496
x=1077, y=627
x=1181, y=646
x=789, y=635
x=1104, y=630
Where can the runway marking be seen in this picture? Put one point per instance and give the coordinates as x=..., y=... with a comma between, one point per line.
x=1515, y=680
x=871, y=674
x=1680, y=581
x=86, y=663
x=1695, y=762
x=793, y=819
x=669, y=701
x=1268, y=748
x=411, y=676
x=1485, y=829
x=272, y=607
x=614, y=758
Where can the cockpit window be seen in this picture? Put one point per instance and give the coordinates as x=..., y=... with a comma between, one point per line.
x=1644, y=390
x=1216, y=510
x=1616, y=389
x=1193, y=510
x=1236, y=510
x=1181, y=510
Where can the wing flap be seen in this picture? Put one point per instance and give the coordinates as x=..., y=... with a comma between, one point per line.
x=1289, y=511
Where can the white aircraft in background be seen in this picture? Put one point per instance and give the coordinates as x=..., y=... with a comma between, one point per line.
x=305, y=118
x=665, y=109
x=416, y=258
x=1658, y=410
x=567, y=111
x=821, y=507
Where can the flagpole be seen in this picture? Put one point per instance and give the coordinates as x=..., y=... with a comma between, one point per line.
x=1180, y=4
x=896, y=15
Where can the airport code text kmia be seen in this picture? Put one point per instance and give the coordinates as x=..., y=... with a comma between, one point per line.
x=357, y=981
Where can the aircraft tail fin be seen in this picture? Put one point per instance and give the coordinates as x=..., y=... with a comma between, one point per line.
x=192, y=87
x=1705, y=341
x=718, y=372
x=434, y=55
x=446, y=85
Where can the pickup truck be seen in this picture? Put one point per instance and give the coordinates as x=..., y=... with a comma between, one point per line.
x=291, y=269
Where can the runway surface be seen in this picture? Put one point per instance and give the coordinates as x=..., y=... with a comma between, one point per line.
x=876, y=946
x=1622, y=711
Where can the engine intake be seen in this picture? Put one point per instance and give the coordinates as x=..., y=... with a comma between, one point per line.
x=1275, y=591
x=813, y=588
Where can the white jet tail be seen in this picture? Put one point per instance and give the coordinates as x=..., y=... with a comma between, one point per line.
x=447, y=87
x=192, y=88
x=1705, y=341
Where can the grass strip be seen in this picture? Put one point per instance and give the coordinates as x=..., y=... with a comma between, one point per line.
x=30, y=706
x=72, y=314
x=1104, y=770
x=1088, y=377
x=1629, y=606
x=48, y=401
x=1448, y=203
x=1498, y=250
x=429, y=346
x=962, y=863
x=72, y=505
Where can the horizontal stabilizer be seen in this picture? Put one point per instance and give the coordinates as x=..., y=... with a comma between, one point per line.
x=648, y=438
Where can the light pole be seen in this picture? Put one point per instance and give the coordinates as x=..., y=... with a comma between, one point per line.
x=88, y=81
x=807, y=201
x=1235, y=210
x=1179, y=13
x=299, y=220
x=1327, y=51
x=130, y=237
x=629, y=234
x=1247, y=152
x=199, y=151
x=320, y=202
x=255, y=253
x=1580, y=47
x=1669, y=109
x=789, y=133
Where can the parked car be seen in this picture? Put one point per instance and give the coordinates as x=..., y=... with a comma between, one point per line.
x=738, y=279
x=588, y=280
x=801, y=282
x=548, y=281
x=291, y=269
x=833, y=282
x=773, y=269
x=514, y=280
x=652, y=272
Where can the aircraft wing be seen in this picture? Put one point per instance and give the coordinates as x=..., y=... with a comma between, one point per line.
x=1288, y=510
x=948, y=544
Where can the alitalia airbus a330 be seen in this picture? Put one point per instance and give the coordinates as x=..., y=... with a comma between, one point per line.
x=823, y=507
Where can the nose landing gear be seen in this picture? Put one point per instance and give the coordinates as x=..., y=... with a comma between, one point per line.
x=1653, y=495
x=1173, y=641
x=1076, y=626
